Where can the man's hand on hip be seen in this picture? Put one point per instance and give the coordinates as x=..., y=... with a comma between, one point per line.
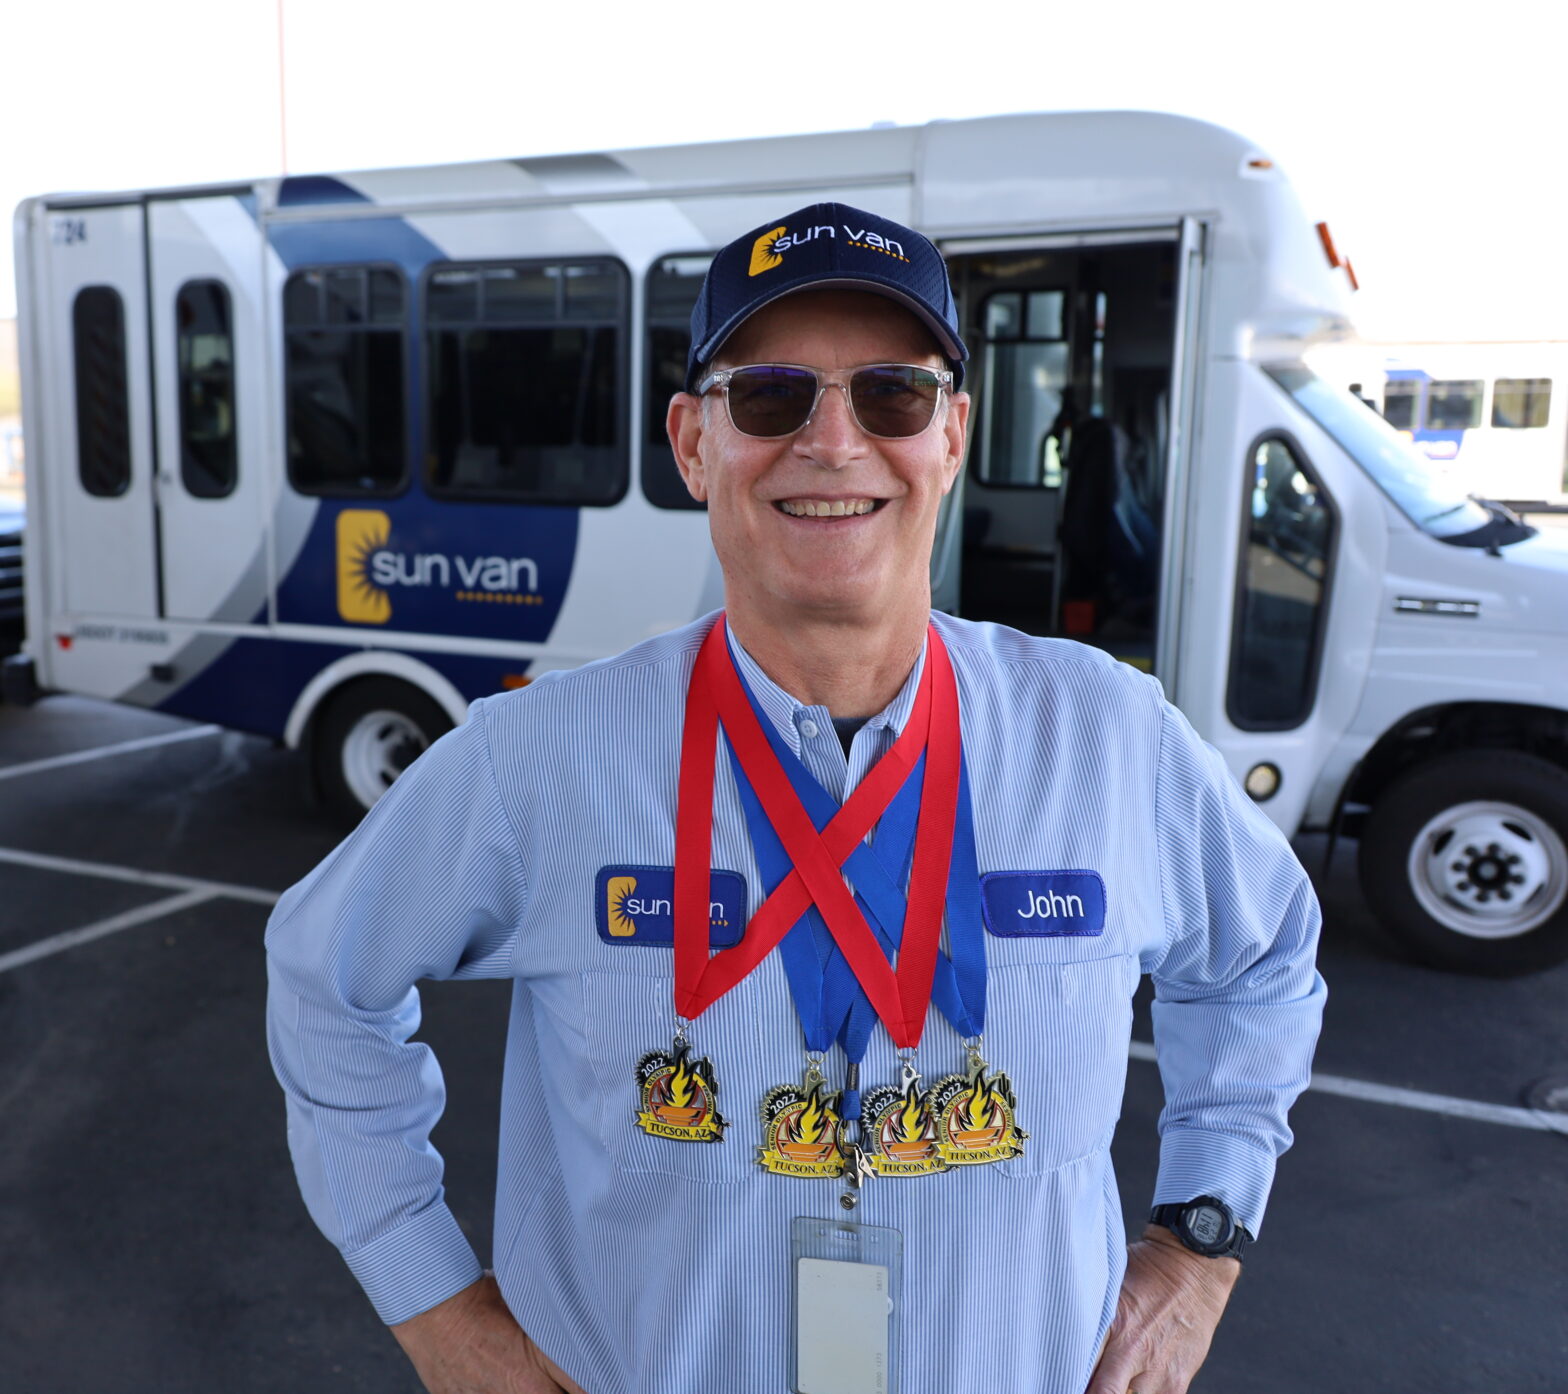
x=471, y=1344
x=1170, y=1303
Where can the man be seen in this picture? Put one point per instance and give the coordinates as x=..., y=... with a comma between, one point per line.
x=1033, y=803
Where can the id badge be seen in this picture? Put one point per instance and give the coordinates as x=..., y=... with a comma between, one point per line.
x=845, y=1293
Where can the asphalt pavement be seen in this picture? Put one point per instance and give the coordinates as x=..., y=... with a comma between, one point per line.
x=153, y=1238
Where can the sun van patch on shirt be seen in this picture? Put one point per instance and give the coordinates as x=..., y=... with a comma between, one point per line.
x=1043, y=904
x=635, y=905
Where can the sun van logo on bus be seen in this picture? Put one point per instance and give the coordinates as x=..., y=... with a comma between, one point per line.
x=362, y=533
x=371, y=567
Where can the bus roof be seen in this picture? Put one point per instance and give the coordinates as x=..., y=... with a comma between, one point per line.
x=1032, y=175
x=1154, y=152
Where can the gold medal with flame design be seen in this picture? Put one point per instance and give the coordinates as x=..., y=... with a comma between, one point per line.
x=900, y=1131
x=800, y=1131
x=975, y=1117
x=679, y=1096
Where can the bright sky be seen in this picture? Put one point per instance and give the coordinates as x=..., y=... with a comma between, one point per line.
x=1430, y=136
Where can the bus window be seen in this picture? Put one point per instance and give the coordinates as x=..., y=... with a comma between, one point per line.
x=1026, y=369
x=525, y=381
x=205, y=349
x=103, y=420
x=343, y=330
x=672, y=286
x=1453, y=406
x=1521, y=403
x=1401, y=404
x=1288, y=540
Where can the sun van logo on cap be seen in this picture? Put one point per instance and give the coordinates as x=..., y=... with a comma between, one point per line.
x=768, y=250
x=764, y=252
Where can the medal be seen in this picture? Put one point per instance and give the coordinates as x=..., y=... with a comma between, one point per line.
x=900, y=1129
x=679, y=1095
x=976, y=1117
x=802, y=1128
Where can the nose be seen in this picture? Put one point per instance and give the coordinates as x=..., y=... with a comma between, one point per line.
x=832, y=437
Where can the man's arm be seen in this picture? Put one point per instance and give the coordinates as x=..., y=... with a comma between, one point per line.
x=430, y=885
x=1238, y=1005
x=1238, y=999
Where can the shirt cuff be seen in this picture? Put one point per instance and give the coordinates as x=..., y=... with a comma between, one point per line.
x=1196, y=1162
x=412, y=1268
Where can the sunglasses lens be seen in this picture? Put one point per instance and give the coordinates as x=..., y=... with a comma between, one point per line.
x=891, y=400
x=771, y=400
x=894, y=400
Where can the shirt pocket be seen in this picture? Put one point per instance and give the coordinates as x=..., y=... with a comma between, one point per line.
x=1059, y=1028
x=630, y=1014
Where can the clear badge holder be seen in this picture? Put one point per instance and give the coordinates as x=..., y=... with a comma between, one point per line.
x=846, y=1283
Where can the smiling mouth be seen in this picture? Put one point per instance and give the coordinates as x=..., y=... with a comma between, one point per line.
x=827, y=508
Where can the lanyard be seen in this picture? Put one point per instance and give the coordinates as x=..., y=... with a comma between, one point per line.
x=959, y=984
x=901, y=995
x=824, y=990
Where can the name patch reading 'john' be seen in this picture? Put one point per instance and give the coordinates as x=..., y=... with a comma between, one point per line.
x=636, y=905
x=1042, y=904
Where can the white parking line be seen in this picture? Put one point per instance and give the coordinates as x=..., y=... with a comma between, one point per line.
x=1537, y=1120
x=81, y=757
x=73, y=867
x=69, y=939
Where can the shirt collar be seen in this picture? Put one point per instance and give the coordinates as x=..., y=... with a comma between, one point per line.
x=785, y=711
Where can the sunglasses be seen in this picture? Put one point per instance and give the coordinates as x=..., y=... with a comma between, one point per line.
x=890, y=400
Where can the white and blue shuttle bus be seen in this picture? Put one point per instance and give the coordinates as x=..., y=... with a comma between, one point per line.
x=1494, y=415
x=327, y=458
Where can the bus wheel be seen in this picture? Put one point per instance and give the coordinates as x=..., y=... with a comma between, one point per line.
x=1465, y=860
x=366, y=736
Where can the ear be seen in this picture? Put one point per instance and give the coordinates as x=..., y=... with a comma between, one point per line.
x=956, y=429
x=683, y=423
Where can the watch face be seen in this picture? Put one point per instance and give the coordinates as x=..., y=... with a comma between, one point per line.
x=1206, y=1224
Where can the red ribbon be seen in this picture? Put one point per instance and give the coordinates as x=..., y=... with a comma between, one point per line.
x=900, y=995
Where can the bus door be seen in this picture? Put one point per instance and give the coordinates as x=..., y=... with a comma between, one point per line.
x=1288, y=555
x=1076, y=443
x=98, y=407
x=208, y=337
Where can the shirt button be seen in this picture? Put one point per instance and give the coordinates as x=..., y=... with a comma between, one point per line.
x=808, y=728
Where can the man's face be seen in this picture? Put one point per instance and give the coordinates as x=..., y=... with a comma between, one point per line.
x=758, y=490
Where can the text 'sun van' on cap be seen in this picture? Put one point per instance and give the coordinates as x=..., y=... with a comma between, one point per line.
x=822, y=247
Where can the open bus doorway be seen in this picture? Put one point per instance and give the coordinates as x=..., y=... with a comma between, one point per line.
x=1065, y=489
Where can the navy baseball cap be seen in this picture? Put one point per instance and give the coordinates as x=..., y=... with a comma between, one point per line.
x=823, y=247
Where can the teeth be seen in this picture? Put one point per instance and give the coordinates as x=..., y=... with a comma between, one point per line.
x=826, y=508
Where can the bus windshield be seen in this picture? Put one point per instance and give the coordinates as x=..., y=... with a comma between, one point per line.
x=1432, y=499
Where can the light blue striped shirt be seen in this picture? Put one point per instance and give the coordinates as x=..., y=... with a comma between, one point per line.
x=643, y=1265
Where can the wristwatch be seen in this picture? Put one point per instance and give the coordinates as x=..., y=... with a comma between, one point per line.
x=1205, y=1225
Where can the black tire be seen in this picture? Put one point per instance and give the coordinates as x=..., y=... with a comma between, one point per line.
x=1473, y=897
x=365, y=736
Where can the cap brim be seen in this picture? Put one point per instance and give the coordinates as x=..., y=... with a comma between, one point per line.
x=952, y=349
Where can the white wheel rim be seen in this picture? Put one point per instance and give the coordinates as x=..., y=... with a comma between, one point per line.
x=378, y=748
x=1489, y=870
